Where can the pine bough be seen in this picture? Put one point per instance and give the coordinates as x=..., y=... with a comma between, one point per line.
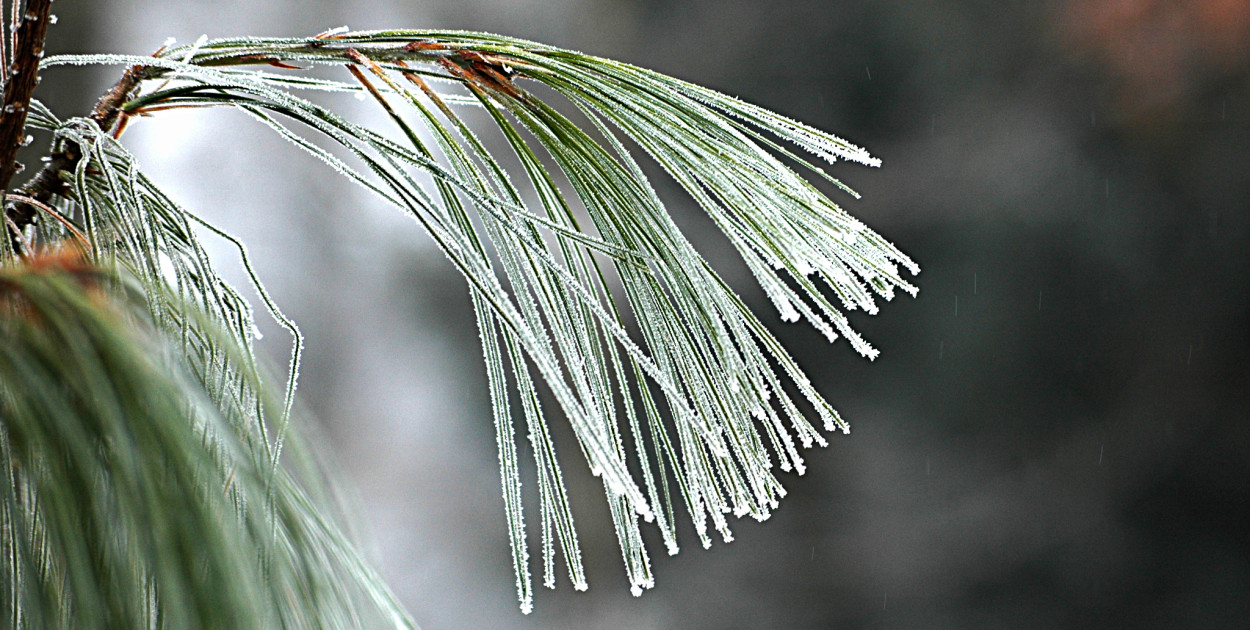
x=679, y=397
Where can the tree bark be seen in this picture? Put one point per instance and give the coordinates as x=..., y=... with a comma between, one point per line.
x=20, y=79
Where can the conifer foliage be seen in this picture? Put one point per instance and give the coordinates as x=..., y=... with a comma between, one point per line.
x=145, y=476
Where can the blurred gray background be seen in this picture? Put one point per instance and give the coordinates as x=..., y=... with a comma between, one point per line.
x=1056, y=433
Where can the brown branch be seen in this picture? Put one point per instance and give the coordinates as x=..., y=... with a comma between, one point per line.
x=20, y=80
x=47, y=182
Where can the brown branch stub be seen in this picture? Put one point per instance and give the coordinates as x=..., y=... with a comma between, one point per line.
x=109, y=108
x=21, y=77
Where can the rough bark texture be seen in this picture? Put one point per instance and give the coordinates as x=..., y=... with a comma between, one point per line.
x=20, y=79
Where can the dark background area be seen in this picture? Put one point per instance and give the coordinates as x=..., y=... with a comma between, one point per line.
x=1056, y=432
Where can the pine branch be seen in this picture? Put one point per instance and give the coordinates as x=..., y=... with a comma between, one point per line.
x=676, y=392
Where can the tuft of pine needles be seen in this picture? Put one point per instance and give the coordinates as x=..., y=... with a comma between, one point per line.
x=680, y=398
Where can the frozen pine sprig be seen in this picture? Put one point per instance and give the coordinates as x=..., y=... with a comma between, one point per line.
x=679, y=397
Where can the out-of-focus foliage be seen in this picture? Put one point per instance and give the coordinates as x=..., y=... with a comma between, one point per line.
x=140, y=490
